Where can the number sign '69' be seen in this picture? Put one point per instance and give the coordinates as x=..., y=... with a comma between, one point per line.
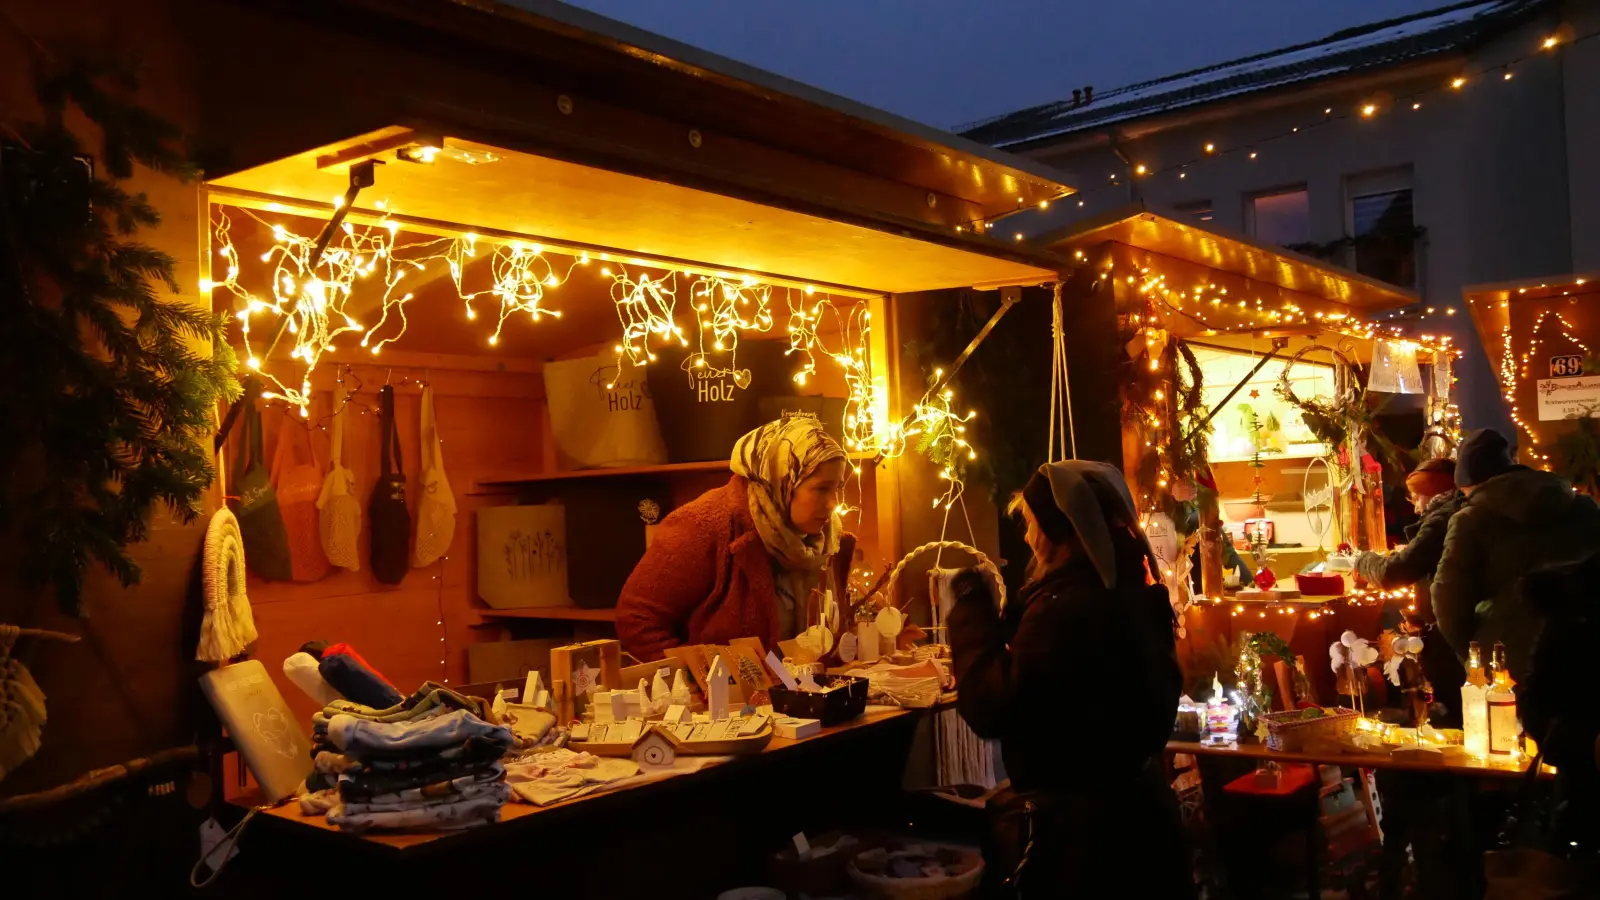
x=1563, y=366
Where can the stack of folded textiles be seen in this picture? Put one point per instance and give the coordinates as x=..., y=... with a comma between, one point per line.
x=431, y=762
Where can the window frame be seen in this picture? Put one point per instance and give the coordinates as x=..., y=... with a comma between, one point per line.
x=1250, y=225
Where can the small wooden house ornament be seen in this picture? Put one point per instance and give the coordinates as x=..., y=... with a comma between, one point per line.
x=660, y=693
x=653, y=749
x=680, y=689
x=534, y=693
x=717, y=690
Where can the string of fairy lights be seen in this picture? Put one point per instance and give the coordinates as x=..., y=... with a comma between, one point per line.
x=1369, y=109
x=1516, y=367
x=363, y=262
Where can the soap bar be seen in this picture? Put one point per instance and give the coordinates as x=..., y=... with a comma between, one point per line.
x=796, y=728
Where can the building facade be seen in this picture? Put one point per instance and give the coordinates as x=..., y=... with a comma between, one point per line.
x=1434, y=151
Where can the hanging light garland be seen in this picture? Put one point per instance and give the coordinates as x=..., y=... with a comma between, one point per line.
x=317, y=301
x=1365, y=110
x=1515, y=368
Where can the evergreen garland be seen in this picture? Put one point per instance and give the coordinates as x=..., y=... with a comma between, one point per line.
x=107, y=387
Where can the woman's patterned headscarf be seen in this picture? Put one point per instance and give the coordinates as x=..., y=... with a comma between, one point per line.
x=774, y=459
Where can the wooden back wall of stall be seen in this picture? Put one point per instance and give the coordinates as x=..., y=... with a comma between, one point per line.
x=494, y=422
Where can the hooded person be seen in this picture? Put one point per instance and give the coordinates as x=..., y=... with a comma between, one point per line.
x=1433, y=492
x=1086, y=645
x=1514, y=520
x=741, y=560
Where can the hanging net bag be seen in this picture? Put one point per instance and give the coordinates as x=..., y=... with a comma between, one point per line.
x=339, y=511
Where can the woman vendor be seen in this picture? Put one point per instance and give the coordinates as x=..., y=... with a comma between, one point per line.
x=741, y=560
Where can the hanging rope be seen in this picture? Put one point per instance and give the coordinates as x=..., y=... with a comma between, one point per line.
x=1061, y=424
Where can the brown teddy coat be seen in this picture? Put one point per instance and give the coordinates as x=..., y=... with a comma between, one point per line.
x=705, y=579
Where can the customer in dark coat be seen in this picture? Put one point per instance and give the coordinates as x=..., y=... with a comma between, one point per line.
x=1433, y=490
x=1514, y=520
x=1078, y=678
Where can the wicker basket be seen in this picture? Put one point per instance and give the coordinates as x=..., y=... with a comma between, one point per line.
x=943, y=887
x=1288, y=731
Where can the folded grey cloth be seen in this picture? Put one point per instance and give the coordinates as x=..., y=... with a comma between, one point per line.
x=358, y=737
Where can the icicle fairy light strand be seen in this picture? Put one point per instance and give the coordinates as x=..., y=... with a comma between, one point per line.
x=1515, y=367
x=318, y=300
x=363, y=261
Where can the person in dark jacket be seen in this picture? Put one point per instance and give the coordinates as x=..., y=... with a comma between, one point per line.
x=1514, y=520
x=1556, y=701
x=1078, y=678
x=1433, y=490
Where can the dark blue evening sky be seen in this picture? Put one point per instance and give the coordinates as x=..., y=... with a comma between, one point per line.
x=946, y=62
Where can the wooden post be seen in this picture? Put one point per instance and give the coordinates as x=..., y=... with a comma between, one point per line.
x=1211, y=538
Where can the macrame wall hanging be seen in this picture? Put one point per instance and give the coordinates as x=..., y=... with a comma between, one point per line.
x=229, y=626
x=21, y=705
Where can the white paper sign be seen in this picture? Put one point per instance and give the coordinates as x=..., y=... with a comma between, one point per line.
x=1569, y=398
x=1163, y=539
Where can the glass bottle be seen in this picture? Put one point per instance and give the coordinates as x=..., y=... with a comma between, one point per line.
x=1474, y=705
x=1501, y=699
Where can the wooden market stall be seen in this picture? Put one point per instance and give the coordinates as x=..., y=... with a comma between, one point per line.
x=681, y=231
x=1214, y=327
x=467, y=198
x=1538, y=333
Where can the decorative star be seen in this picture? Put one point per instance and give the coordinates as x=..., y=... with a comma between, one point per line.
x=1255, y=394
x=584, y=680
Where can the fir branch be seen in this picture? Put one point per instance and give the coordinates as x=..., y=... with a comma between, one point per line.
x=110, y=408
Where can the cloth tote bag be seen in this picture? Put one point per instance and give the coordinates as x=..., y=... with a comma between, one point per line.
x=391, y=521
x=436, y=509
x=601, y=417
x=339, y=508
x=255, y=504
x=297, y=479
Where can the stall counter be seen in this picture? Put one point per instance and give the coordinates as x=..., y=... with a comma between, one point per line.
x=876, y=719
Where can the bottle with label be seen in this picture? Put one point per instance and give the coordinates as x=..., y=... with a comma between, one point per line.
x=1504, y=729
x=1474, y=705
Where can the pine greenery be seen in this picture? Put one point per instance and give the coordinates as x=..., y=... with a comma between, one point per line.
x=107, y=393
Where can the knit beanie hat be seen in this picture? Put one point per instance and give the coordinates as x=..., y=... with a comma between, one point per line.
x=1483, y=455
x=1433, y=477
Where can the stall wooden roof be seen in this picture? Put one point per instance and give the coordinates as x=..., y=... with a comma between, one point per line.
x=574, y=207
x=608, y=136
x=1231, y=253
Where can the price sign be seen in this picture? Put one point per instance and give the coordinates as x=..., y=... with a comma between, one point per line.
x=1564, y=366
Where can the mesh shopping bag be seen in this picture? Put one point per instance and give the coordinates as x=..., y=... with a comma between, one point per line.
x=339, y=508
x=436, y=510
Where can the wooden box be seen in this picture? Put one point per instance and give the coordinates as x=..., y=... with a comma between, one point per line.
x=832, y=707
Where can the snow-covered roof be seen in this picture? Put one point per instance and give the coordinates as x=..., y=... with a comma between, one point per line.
x=1406, y=39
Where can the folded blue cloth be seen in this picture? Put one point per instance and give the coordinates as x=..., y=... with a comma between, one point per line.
x=357, y=682
x=360, y=736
